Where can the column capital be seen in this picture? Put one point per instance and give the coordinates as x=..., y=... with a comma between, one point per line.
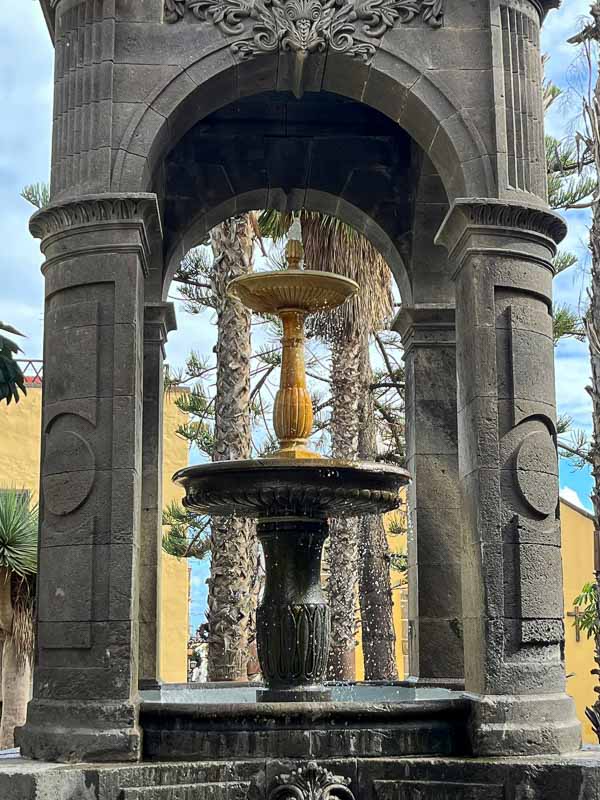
x=483, y=225
x=159, y=321
x=90, y=214
x=426, y=325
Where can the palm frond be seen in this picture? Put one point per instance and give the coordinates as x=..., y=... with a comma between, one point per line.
x=18, y=533
x=333, y=246
x=12, y=379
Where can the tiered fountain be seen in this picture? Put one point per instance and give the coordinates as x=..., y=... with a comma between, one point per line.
x=292, y=494
x=294, y=491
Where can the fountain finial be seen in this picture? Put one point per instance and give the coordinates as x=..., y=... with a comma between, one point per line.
x=294, y=249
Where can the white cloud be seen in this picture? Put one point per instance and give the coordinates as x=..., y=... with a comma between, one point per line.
x=571, y=496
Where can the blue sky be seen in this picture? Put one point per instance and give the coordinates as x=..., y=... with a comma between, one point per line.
x=26, y=63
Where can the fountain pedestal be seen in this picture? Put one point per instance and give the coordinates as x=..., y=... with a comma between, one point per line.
x=293, y=619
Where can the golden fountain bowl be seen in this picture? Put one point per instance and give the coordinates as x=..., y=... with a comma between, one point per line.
x=302, y=289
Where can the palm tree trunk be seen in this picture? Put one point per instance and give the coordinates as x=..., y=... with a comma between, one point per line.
x=232, y=540
x=374, y=583
x=15, y=671
x=16, y=683
x=342, y=550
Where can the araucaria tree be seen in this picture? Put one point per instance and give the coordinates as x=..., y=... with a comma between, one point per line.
x=589, y=139
x=220, y=429
x=18, y=566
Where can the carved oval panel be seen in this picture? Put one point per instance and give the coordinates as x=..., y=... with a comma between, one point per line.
x=537, y=470
x=69, y=471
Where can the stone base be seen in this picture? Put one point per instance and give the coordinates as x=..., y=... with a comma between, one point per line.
x=541, y=778
x=504, y=725
x=73, y=732
x=178, y=731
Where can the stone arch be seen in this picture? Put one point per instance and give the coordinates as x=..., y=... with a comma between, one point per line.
x=398, y=87
x=320, y=201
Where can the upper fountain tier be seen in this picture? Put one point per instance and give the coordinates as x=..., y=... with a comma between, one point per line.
x=303, y=290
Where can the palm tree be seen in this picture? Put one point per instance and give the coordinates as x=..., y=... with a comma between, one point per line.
x=18, y=565
x=230, y=596
x=11, y=377
x=374, y=582
x=331, y=245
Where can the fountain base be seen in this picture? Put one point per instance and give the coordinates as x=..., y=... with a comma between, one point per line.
x=207, y=724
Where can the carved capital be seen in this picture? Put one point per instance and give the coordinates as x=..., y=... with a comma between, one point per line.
x=306, y=26
x=93, y=210
x=489, y=225
x=311, y=782
x=137, y=215
x=426, y=324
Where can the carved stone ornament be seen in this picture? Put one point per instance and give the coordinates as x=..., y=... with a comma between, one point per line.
x=306, y=26
x=311, y=782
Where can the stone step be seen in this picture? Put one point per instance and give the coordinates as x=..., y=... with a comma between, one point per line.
x=236, y=790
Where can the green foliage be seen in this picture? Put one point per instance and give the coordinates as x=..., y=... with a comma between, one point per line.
x=18, y=533
x=38, y=194
x=188, y=533
x=569, y=185
x=399, y=562
x=587, y=602
x=566, y=323
x=194, y=279
x=11, y=376
x=563, y=260
x=200, y=429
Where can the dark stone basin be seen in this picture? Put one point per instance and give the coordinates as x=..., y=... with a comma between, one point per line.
x=273, y=487
x=212, y=721
x=292, y=500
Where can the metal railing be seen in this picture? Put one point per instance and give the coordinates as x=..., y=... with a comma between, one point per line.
x=33, y=370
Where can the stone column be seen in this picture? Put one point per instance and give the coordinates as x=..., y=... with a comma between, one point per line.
x=159, y=320
x=86, y=664
x=502, y=254
x=434, y=560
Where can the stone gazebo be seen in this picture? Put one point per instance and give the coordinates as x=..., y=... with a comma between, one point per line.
x=418, y=122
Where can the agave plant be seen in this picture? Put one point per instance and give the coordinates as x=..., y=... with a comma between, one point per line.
x=18, y=565
x=11, y=377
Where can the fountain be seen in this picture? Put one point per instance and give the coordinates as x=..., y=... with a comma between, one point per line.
x=293, y=492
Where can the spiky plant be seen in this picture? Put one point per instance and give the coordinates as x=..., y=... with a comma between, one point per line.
x=18, y=566
x=11, y=377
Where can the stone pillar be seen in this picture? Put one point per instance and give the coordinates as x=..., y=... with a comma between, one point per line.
x=159, y=320
x=86, y=663
x=501, y=254
x=434, y=560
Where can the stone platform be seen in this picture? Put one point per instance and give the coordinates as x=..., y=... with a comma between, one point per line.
x=574, y=777
x=219, y=722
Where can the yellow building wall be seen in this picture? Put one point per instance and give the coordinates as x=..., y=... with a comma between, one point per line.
x=174, y=624
x=20, y=427
x=175, y=572
x=578, y=568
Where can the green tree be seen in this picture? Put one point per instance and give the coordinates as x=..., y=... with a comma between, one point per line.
x=18, y=566
x=220, y=426
x=12, y=379
x=588, y=142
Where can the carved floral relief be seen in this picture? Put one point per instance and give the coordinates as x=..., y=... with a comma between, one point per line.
x=310, y=782
x=306, y=26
